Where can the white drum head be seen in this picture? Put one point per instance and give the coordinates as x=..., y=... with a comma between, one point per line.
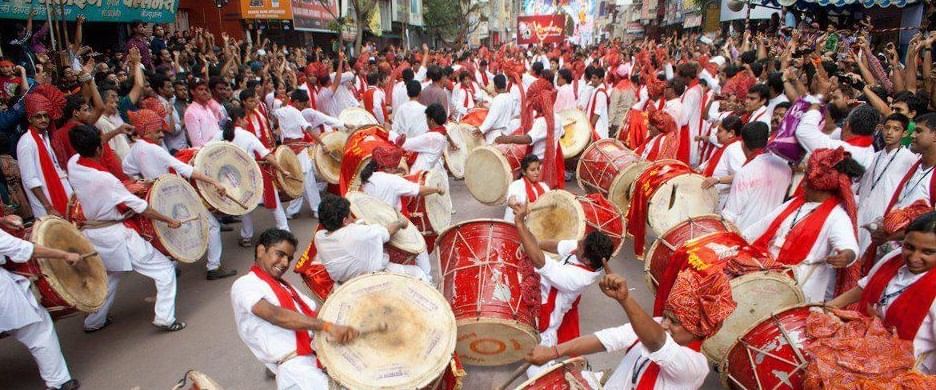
x=377, y=212
x=679, y=199
x=356, y=117
x=412, y=352
x=328, y=165
x=438, y=207
x=488, y=175
x=556, y=215
x=576, y=132
x=83, y=285
x=288, y=160
x=463, y=136
x=622, y=186
x=176, y=198
x=237, y=171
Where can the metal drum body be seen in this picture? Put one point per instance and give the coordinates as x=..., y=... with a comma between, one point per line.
x=463, y=136
x=608, y=167
x=659, y=254
x=576, y=132
x=292, y=187
x=563, y=376
x=490, y=169
x=493, y=290
x=328, y=165
x=560, y=215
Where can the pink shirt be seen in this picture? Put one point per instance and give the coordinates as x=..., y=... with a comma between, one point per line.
x=201, y=122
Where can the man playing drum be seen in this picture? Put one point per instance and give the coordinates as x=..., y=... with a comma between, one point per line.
x=542, y=132
x=294, y=128
x=102, y=199
x=562, y=281
x=348, y=248
x=149, y=160
x=22, y=316
x=500, y=115
x=662, y=353
x=276, y=321
x=761, y=183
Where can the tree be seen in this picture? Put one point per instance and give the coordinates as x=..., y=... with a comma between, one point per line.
x=451, y=21
x=362, y=10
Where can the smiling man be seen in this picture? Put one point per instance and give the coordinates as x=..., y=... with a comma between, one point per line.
x=276, y=321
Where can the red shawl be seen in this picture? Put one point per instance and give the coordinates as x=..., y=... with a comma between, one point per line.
x=793, y=251
x=57, y=195
x=911, y=307
x=569, y=327
x=288, y=299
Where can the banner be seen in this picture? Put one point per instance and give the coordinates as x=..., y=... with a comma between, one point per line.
x=151, y=11
x=539, y=29
x=265, y=9
x=311, y=15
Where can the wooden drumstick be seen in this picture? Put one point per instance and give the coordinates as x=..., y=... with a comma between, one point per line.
x=379, y=328
x=293, y=178
x=233, y=199
x=192, y=219
x=87, y=255
x=543, y=207
x=514, y=375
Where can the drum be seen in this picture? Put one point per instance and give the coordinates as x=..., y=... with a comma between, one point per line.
x=490, y=169
x=769, y=354
x=463, y=136
x=576, y=132
x=430, y=214
x=357, y=153
x=237, y=171
x=662, y=249
x=355, y=117
x=405, y=244
x=757, y=294
x=673, y=194
x=608, y=167
x=316, y=277
x=493, y=290
x=567, y=375
x=560, y=215
x=412, y=353
x=196, y=380
x=475, y=117
x=291, y=187
x=60, y=287
x=328, y=165
x=75, y=215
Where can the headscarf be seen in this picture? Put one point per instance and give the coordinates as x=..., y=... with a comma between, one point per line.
x=48, y=98
x=153, y=104
x=387, y=156
x=145, y=120
x=662, y=121
x=701, y=301
x=821, y=175
x=541, y=97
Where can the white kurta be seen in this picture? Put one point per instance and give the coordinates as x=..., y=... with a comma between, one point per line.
x=429, y=148
x=316, y=118
x=569, y=280
x=119, y=144
x=151, y=161
x=877, y=186
x=271, y=343
x=516, y=192
x=357, y=249
x=410, y=119
x=463, y=99
x=497, y=122
x=680, y=366
x=811, y=137
x=757, y=189
x=761, y=115
x=918, y=187
x=814, y=276
x=389, y=188
x=538, y=135
x=691, y=114
x=598, y=106
x=398, y=95
x=379, y=99
x=27, y=154
x=252, y=145
x=924, y=343
x=291, y=121
x=728, y=165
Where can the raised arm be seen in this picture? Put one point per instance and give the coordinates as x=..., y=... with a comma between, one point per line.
x=530, y=246
x=138, y=78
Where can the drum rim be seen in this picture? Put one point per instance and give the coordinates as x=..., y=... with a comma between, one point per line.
x=410, y=228
x=628, y=192
x=442, y=234
x=278, y=177
x=653, y=246
x=330, y=176
x=203, y=186
x=507, y=179
x=747, y=278
x=582, y=224
x=586, y=138
x=525, y=329
x=723, y=366
x=712, y=192
x=357, y=111
x=578, y=361
x=446, y=154
x=46, y=269
x=623, y=217
x=438, y=367
x=578, y=165
x=424, y=179
x=202, y=210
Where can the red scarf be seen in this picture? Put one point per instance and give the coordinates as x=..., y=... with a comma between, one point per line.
x=288, y=298
x=860, y=140
x=469, y=92
x=57, y=195
x=269, y=188
x=793, y=251
x=910, y=308
x=313, y=94
x=484, y=78
x=754, y=154
x=569, y=327
x=662, y=104
x=263, y=131
x=591, y=107
x=713, y=161
x=903, y=183
x=649, y=377
x=644, y=187
x=533, y=190
x=369, y=103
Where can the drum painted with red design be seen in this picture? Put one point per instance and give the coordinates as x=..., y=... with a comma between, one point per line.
x=357, y=153
x=493, y=290
x=316, y=278
x=560, y=215
x=608, y=167
x=490, y=169
x=659, y=254
x=770, y=354
x=474, y=117
x=567, y=375
x=673, y=198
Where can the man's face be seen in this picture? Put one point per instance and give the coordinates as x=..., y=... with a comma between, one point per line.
x=250, y=103
x=154, y=135
x=201, y=93
x=39, y=120
x=140, y=29
x=223, y=92
x=110, y=103
x=83, y=114
x=778, y=114
x=181, y=92
x=595, y=81
x=724, y=135
x=165, y=55
x=275, y=259
x=121, y=77
x=923, y=139
x=159, y=31
x=752, y=102
x=165, y=90
x=902, y=108
x=919, y=251
x=672, y=325
x=893, y=131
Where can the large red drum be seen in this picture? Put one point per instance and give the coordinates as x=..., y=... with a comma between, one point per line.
x=493, y=290
x=568, y=375
x=490, y=169
x=430, y=213
x=559, y=215
x=475, y=117
x=770, y=354
x=659, y=254
x=357, y=153
x=608, y=167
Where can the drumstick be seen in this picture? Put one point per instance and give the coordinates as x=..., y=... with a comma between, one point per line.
x=87, y=255
x=514, y=375
x=233, y=199
x=193, y=219
x=543, y=207
x=293, y=178
x=379, y=328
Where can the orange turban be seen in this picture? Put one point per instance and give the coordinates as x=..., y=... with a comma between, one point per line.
x=48, y=98
x=821, y=175
x=701, y=302
x=387, y=156
x=153, y=104
x=146, y=120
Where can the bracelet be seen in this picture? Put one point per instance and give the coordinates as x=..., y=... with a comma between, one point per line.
x=326, y=326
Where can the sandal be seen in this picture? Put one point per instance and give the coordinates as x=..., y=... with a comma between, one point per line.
x=245, y=243
x=176, y=326
x=107, y=323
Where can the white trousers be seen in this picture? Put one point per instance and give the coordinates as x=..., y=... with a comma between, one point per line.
x=158, y=268
x=422, y=261
x=279, y=216
x=214, y=243
x=311, y=190
x=301, y=373
x=43, y=344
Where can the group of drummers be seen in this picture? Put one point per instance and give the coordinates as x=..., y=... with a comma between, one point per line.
x=756, y=189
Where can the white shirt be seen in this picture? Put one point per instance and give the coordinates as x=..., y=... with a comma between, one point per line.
x=837, y=233
x=17, y=301
x=332, y=103
x=316, y=118
x=691, y=116
x=924, y=343
x=811, y=137
x=918, y=187
x=498, y=118
x=410, y=119
x=249, y=143
x=514, y=91
x=598, y=106
x=731, y=161
x=390, y=188
x=268, y=342
x=379, y=97
x=680, y=367
x=463, y=99
x=151, y=161
x=516, y=192
x=429, y=148
x=538, y=135
x=761, y=115
x=568, y=279
x=674, y=108
x=27, y=153
x=398, y=96
x=292, y=123
x=757, y=189
x=565, y=93
x=353, y=250
x=585, y=91
x=877, y=187
x=119, y=143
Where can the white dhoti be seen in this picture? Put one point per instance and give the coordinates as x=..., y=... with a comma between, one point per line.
x=279, y=217
x=300, y=373
x=311, y=190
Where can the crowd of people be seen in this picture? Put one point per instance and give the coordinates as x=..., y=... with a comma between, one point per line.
x=820, y=143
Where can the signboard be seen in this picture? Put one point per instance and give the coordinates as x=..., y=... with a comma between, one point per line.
x=756, y=13
x=151, y=11
x=265, y=9
x=311, y=15
x=539, y=29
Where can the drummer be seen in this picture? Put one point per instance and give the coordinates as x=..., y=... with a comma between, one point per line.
x=562, y=281
x=429, y=146
x=149, y=160
x=296, y=131
x=661, y=353
x=22, y=316
x=499, y=119
x=234, y=132
x=901, y=289
x=276, y=321
x=102, y=198
x=536, y=120
x=528, y=187
x=348, y=248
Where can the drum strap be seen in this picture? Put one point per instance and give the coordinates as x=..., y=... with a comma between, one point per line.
x=269, y=189
x=910, y=308
x=288, y=299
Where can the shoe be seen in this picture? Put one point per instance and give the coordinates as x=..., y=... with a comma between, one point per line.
x=174, y=327
x=227, y=219
x=245, y=243
x=107, y=323
x=226, y=228
x=291, y=217
x=70, y=385
x=220, y=273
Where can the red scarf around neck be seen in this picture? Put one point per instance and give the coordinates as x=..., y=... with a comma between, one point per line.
x=754, y=154
x=288, y=299
x=860, y=140
x=903, y=184
x=533, y=190
x=262, y=131
x=369, y=103
x=713, y=161
x=806, y=230
x=57, y=195
x=592, y=107
x=649, y=378
x=569, y=327
x=910, y=308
